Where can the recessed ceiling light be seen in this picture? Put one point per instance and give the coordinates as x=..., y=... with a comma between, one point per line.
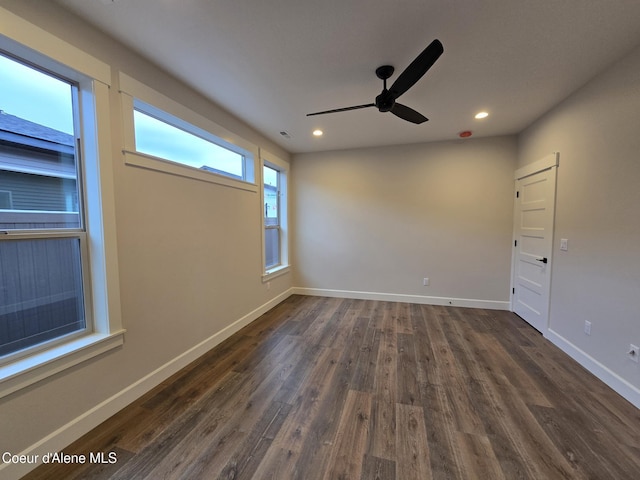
x=482, y=115
x=317, y=133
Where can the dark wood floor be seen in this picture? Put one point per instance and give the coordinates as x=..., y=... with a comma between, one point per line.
x=324, y=388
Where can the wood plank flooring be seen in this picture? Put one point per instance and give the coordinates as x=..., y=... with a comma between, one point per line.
x=325, y=388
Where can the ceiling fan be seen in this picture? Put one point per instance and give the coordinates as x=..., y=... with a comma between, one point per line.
x=386, y=101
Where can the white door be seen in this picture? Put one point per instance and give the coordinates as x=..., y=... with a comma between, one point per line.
x=533, y=241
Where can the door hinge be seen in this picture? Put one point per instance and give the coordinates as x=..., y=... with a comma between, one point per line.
x=517, y=194
x=515, y=243
x=513, y=291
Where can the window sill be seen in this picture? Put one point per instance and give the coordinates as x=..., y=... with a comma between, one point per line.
x=150, y=162
x=275, y=272
x=32, y=369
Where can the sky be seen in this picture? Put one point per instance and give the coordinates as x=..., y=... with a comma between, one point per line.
x=35, y=96
x=160, y=139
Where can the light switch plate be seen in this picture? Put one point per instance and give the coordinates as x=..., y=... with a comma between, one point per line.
x=564, y=244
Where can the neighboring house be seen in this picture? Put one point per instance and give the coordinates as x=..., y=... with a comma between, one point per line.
x=37, y=191
x=37, y=176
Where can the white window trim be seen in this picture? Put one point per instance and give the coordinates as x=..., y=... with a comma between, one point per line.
x=30, y=42
x=135, y=94
x=273, y=161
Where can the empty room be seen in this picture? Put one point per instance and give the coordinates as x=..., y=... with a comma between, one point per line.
x=335, y=240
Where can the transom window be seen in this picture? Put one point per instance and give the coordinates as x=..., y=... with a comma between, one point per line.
x=161, y=135
x=166, y=136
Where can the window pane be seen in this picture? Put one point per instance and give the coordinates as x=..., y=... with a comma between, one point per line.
x=38, y=178
x=41, y=293
x=272, y=247
x=6, y=201
x=158, y=138
x=271, y=207
x=270, y=177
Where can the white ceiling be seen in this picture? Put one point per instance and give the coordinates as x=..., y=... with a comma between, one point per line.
x=272, y=62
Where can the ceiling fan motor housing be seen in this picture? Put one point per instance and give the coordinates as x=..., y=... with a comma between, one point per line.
x=385, y=101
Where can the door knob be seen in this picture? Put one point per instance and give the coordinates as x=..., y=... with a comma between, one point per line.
x=543, y=260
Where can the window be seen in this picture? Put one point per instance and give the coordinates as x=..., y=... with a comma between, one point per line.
x=6, y=202
x=59, y=301
x=42, y=288
x=42, y=292
x=274, y=179
x=272, y=231
x=161, y=139
x=163, y=135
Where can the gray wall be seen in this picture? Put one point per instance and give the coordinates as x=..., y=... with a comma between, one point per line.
x=380, y=219
x=598, y=200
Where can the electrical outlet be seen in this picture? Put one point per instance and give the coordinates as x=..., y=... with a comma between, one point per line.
x=425, y=281
x=587, y=327
x=634, y=353
x=564, y=244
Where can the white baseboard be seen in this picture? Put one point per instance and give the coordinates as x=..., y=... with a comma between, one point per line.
x=610, y=378
x=79, y=426
x=399, y=297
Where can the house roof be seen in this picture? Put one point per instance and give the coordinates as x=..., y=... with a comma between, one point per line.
x=18, y=131
x=19, y=126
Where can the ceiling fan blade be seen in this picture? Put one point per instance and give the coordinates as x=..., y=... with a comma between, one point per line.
x=417, y=69
x=408, y=114
x=345, y=109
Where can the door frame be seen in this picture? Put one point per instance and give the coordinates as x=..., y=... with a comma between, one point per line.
x=550, y=161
